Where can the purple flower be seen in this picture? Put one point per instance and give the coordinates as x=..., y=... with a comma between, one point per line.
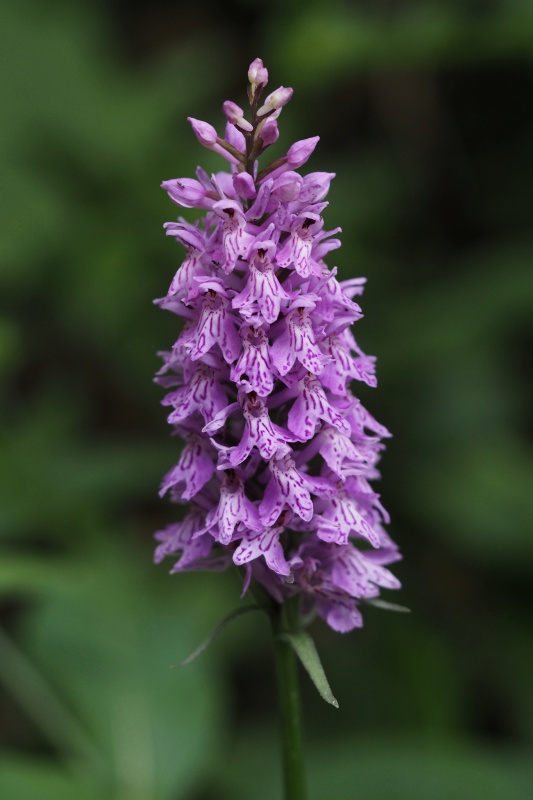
x=266, y=543
x=297, y=342
x=234, y=509
x=194, y=469
x=255, y=362
x=286, y=487
x=279, y=454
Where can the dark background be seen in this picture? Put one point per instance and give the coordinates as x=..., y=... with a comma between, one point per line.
x=425, y=113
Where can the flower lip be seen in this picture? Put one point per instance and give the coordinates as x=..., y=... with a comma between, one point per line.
x=227, y=209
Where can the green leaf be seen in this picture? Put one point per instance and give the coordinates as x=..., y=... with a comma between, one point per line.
x=305, y=649
x=386, y=606
x=215, y=632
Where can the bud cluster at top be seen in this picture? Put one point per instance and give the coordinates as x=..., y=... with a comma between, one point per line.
x=278, y=454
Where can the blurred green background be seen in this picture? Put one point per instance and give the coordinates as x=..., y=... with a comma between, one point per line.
x=425, y=113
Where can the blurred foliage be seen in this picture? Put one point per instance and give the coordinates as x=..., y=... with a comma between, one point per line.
x=424, y=109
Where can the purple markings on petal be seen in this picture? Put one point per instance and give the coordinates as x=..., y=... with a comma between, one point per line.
x=204, y=393
x=265, y=543
x=333, y=300
x=312, y=406
x=260, y=432
x=234, y=508
x=215, y=327
x=342, y=455
x=194, y=469
x=341, y=517
x=236, y=242
x=354, y=572
x=255, y=362
x=296, y=251
x=297, y=342
x=263, y=293
x=186, y=537
x=285, y=487
x=192, y=266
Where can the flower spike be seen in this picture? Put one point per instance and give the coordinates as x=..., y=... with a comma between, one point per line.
x=278, y=454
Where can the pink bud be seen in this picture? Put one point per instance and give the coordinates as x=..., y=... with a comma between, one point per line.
x=257, y=74
x=205, y=133
x=244, y=185
x=269, y=132
x=276, y=100
x=234, y=114
x=235, y=137
x=287, y=186
x=301, y=151
x=185, y=192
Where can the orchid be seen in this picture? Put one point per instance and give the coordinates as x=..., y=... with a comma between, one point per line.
x=279, y=452
x=261, y=375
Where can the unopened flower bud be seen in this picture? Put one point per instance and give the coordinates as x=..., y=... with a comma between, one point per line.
x=257, y=74
x=244, y=185
x=287, y=186
x=234, y=114
x=185, y=192
x=205, y=133
x=276, y=100
x=301, y=151
x=269, y=132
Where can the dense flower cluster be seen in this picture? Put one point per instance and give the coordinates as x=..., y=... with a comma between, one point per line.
x=278, y=452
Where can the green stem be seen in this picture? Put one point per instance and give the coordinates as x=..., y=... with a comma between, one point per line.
x=289, y=705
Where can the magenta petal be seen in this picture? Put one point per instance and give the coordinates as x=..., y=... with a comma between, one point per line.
x=297, y=342
x=311, y=408
x=195, y=468
x=286, y=487
x=266, y=544
x=255, y=362
x=233, y=508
